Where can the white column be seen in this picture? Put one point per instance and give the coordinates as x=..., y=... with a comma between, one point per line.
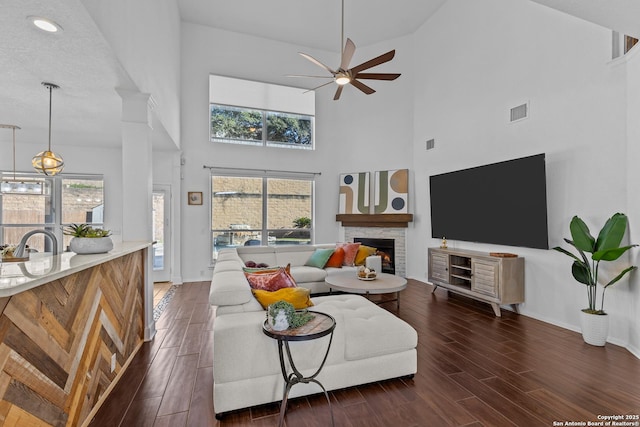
x=137, y=186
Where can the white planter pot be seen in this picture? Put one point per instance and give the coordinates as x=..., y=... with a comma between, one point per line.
x=278, y=322
x=595, y=328
x=89, y=245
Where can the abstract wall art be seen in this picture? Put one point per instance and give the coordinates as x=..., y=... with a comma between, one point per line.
x=354, y=193
x=391, y=191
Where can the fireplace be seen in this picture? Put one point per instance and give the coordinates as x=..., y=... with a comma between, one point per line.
x=386, y=250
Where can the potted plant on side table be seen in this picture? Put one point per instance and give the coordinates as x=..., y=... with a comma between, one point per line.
x=594, y=320
x=88, y=240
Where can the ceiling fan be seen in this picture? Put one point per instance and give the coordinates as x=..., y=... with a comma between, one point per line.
x=345, y=75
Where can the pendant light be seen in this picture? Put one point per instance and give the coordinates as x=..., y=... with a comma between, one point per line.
x=15, y=186
x=48, y=162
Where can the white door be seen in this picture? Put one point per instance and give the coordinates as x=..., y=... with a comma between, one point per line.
x=161, y=233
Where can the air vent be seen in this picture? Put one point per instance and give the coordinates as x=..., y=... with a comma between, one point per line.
x=520, y=112
x=431, y=143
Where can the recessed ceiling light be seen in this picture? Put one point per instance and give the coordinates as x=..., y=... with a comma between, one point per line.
x=45, y=24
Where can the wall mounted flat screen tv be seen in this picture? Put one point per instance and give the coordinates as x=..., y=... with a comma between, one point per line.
x=502, y=203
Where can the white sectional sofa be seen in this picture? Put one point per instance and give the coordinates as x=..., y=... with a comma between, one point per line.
x=369, y=343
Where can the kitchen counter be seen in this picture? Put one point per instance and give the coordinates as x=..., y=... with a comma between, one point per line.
x=71, y=324
x=16, y=277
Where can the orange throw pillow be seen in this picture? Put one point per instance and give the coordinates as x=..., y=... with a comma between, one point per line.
x=336, y=259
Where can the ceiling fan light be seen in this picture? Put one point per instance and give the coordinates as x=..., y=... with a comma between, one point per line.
x=343, y=80
x=48, y=163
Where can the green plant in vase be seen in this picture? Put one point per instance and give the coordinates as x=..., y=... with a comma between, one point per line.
x=88, y=239
x=606, y=247
x=86, y=230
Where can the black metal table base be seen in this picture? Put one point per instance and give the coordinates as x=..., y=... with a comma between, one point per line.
x=296, y=377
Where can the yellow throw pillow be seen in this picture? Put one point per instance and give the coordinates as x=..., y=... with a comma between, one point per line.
x=363, y=253
x=298, y=297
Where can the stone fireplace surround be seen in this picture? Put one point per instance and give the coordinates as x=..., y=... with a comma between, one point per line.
x=400, y=242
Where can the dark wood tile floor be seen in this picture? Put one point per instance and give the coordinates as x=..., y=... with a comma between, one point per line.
x=473, y=370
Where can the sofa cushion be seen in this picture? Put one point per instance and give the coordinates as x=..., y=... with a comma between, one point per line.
x=298, y=297
x=336, y=259
x=227, y=255
x=369, y=330
x=228, y=265
x=258, y=254
x=270, y=280
x=319, y=258
x=363, y=253
x=350, y=252
x=305, y=274
x=229, y=288
x=294, y=254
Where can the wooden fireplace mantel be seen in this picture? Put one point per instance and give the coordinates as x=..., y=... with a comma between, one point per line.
x=375, y=220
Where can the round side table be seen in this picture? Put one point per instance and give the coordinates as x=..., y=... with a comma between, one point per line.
x=321, y=325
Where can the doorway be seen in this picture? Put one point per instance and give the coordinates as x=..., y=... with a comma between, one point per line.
x=161, y=233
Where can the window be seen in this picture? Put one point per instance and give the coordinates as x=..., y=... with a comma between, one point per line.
x=33, y=202
x=259, y=127
x=253, y=113
x=260, y=210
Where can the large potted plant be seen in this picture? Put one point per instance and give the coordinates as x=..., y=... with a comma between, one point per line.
x=88, y=240
x=594, y=320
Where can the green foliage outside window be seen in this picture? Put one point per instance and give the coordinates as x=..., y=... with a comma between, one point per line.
x=288, y=129
x=235, y=123
x=231, y=124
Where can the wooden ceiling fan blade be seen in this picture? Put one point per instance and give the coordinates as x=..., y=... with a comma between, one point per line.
x=385, y=57
x=377, y=76
x=308, y=76
x=315, y=61
x=338, y=93
x=318, y=87
x=347, y=54
x=363, y=87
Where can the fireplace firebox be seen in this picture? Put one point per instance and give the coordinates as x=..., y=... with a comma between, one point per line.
x=386, y=250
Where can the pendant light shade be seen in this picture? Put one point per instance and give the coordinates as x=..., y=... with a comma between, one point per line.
x=48, y=162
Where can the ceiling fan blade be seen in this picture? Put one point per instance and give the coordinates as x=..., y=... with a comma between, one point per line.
x=338, y=93
x=363, y=87
x=304, y=75
x=385, y=57
x=377, y=76
x=318, y=87
x=315, y=61
x=347, y=54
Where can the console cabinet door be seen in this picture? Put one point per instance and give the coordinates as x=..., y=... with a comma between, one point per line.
x=484, y=277
x=439, y=267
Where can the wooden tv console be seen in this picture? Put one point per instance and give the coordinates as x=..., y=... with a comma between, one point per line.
x=497, y=279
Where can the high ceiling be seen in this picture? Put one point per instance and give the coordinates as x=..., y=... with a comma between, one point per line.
x=87, y=110
x=313, y=23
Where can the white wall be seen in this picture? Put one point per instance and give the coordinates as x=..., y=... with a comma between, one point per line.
x=476, y=60
x=357, y=133
x=632, y=62
x=145, y=37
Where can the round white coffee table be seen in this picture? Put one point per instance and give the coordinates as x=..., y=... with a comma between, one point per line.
x=347, y=281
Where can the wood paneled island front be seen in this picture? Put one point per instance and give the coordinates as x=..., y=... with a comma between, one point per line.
x=69, y=325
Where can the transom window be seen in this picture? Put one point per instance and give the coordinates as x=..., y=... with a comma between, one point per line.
x=260, y=210
x=254, y=113
x=260, y=127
